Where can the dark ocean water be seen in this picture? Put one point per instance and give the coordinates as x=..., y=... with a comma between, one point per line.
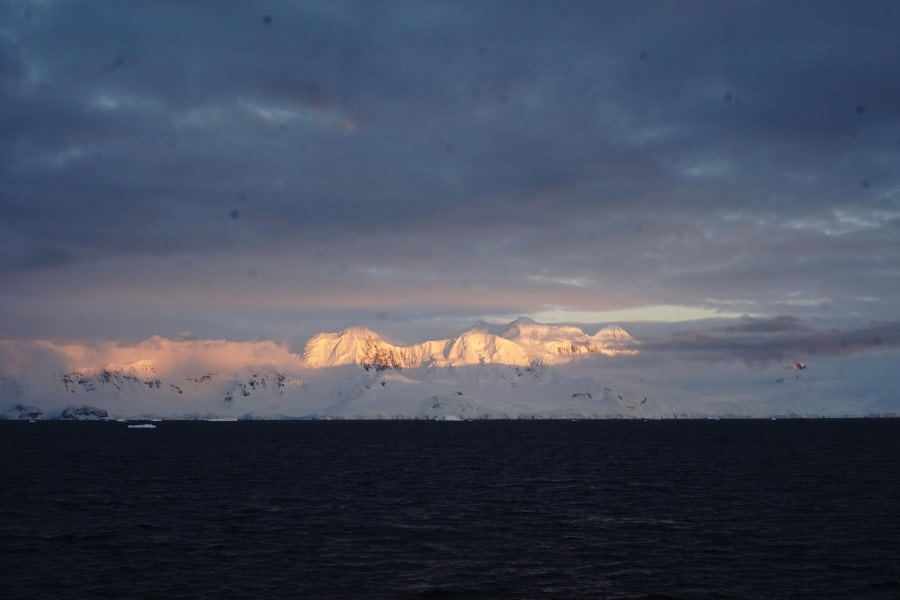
x=545, y=509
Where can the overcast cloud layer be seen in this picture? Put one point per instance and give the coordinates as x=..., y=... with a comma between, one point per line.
x=241, y=170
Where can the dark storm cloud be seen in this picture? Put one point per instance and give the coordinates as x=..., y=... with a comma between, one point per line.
x=734, y=156
x=754, y=325
x=759, y=341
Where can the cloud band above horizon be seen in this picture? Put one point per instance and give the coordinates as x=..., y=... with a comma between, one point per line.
x=177, y=167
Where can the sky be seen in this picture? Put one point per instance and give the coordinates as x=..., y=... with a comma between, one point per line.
x=726, y=171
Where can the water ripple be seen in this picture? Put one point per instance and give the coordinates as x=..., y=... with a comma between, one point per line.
x=618, y=510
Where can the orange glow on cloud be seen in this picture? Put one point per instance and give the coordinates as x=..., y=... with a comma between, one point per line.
x=167, y=356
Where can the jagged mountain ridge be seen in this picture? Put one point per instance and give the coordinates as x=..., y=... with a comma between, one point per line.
x=521, y=343
x=499, y=355
x=573, y=389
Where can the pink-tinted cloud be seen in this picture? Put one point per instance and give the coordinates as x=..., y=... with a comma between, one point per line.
x=167, y=357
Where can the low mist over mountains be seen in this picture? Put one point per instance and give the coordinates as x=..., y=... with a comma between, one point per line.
x=523, y=369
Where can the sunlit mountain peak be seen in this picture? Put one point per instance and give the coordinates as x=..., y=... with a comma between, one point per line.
x=139, y=367
x=522, y=342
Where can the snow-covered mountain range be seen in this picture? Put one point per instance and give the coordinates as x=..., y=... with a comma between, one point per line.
x=523, y=342
x=520, y=370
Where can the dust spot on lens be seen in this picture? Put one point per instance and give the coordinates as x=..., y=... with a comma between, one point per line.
x=643, y=55
x=253, y=273
x=728, y=97
x=267, y=19
x=866, y=184
x=380, y=316
x=115, y=64
x=482, y=50
x=235, y=213
x=860, y=110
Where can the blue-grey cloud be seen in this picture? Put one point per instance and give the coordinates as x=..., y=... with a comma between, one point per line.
x=749, y=324
x=739, y=157
x=760, y=341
